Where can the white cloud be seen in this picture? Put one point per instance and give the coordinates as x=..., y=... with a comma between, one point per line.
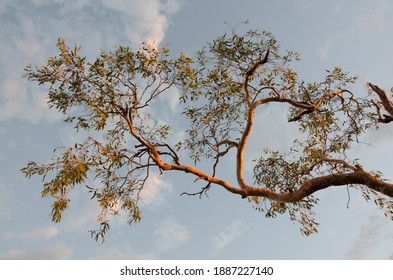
x=170, y=235
x=122, y=252
x=155, y=192
x=271, y=130
x=15, y=102
x=361, y=26
x=171, y=97
x=227, y=235
x=325, y=49
x=39, y=3
x=7, y=199
x=73, y=221
x=29, y=33
x=373, y=234
x=371, y=16
x=39, y=233
x=58, y=251
x=144, y=20
x=171, y=6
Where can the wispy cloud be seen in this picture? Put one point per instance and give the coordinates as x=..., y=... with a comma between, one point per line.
x=171, y=97
x=324, y=50
x=7, y=198
x=372, y=16
x=278, y=137
x=15, y=102
x=363, y=24
x=227, y=235
x=372, y=234
x=170, y=235
x=58, y=251
x=74, y=222
x=38, y=233
x=155, y=192
x=29, y=33
x=144, y=20
x=123, y=252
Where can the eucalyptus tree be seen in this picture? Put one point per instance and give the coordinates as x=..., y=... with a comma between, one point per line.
x=110, y=101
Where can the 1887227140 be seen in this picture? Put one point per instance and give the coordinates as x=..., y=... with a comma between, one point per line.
x=243, y=270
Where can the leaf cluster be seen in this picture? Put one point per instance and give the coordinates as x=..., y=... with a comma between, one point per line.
x=215, y=96
x=110, y=95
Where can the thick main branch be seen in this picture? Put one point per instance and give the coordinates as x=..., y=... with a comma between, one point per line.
x=359, y=177
x=356, y=177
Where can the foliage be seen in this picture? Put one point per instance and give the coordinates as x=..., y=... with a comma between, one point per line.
x=103, y=96
x=221, y=88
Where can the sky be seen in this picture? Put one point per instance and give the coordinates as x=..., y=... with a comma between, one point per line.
x=354, y=34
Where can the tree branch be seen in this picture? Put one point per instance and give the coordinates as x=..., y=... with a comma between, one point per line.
x=384, y=99
x=250, y=72
x=359, y=177
x=385, y=118
x=242, y=146
x=310, y=108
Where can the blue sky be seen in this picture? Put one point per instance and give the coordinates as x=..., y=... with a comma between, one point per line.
x=356, y=35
